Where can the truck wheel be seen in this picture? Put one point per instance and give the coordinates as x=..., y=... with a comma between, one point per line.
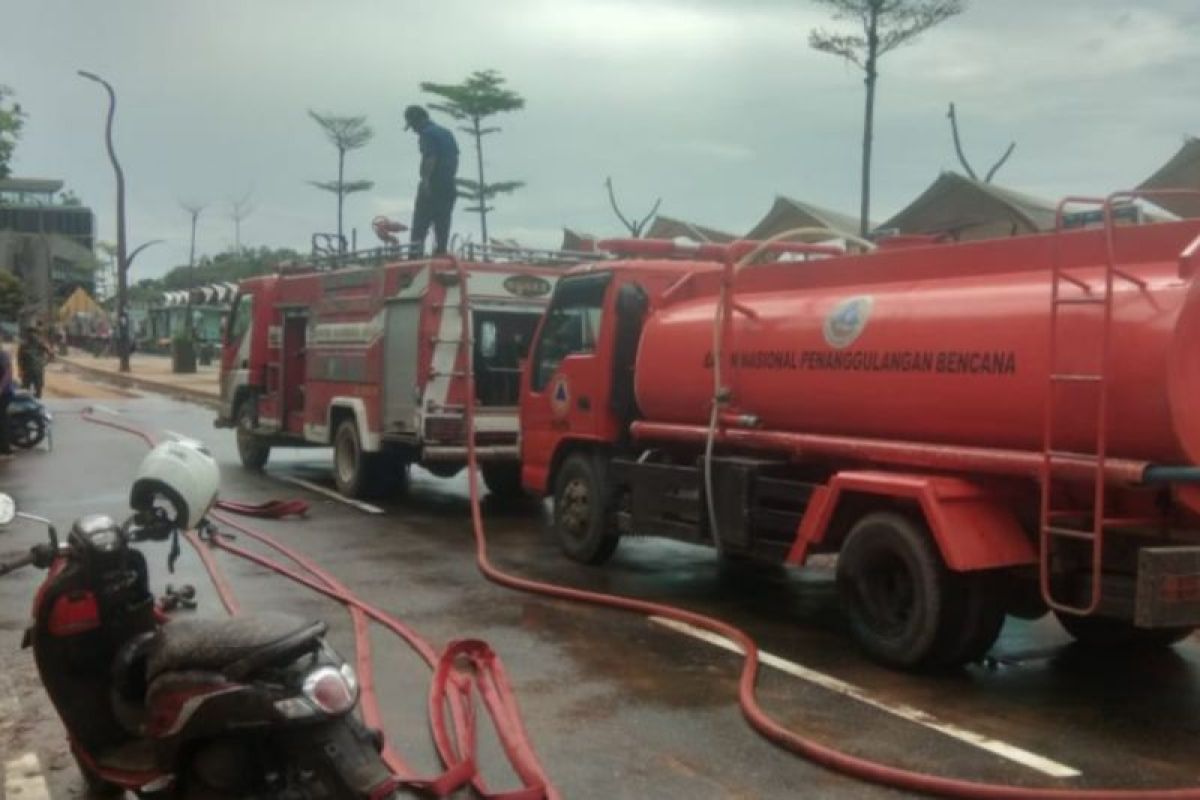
x=974, y=616
x=394, y=474
x=581, y=519
x=1106, y=633
x=894, y=586
x=503, y=479
x=355, y=472
x=252, y=450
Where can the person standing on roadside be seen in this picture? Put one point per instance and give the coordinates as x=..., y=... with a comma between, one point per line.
x=32, y=355
x=7, y=379
x=437, y=190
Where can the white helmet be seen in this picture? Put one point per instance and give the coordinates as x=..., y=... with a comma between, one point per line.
x=181, y=473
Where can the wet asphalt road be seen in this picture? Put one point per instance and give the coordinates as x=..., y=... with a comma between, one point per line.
x=617, y=706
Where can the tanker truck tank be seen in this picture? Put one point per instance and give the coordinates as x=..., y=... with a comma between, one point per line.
x=949, y=350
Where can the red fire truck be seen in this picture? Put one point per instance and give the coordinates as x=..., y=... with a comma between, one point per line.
x=977, y=429
x=369, y=359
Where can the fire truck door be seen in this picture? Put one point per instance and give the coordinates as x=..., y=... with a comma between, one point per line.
x=401, y=352
x=295, y=336
x=565, y=368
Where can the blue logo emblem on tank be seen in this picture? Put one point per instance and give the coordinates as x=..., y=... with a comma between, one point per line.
x=845, y=323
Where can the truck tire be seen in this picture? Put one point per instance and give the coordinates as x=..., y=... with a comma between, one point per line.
x=252, y=449
x=895, y=589
x=582, y=522
x=972, y=621
x=356, y=473
x=1106, y=633
x=503, y=479
x=394, y=474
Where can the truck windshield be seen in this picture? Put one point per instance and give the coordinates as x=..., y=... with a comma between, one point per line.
x=239, y=318
x=572, y=324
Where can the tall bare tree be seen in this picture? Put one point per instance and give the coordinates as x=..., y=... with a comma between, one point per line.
x=239, y=209
x=346, y=134
x=881, y=26
x=962, y=156
x=635, y=226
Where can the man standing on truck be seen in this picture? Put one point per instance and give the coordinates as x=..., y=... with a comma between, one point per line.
x=437, y=190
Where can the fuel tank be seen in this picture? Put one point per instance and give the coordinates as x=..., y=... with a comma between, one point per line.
x=950, y=344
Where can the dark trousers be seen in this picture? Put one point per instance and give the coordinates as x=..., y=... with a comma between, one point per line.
x=35, y=379
x=434, y=207
x=5, y=399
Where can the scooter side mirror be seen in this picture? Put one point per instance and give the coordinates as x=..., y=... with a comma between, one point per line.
x=8, y=509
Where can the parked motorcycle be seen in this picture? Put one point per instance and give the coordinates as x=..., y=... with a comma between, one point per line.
x=28, y=421
x=257, y=705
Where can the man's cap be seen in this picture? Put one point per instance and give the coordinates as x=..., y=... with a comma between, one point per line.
x=413, y=116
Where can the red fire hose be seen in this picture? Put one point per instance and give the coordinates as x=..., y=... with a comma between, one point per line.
x=451, y=687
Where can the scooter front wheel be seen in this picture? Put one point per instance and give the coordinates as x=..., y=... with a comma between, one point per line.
x=97, y=786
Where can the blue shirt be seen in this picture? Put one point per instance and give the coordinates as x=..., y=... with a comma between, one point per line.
x=438, y=143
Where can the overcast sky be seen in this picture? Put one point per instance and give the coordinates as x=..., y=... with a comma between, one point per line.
x=714, y=105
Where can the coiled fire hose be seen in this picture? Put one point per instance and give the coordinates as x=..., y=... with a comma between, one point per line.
x=450, y=688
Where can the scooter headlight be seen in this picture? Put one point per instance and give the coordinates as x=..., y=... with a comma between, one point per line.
x=333, y=691
x=351, y=678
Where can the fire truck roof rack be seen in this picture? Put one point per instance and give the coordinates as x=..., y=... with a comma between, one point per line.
x=323, y=260
x=504, y=253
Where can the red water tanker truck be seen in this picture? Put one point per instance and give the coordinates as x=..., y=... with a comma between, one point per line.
x=976, y=429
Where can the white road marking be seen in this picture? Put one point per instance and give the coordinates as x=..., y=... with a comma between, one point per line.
x=319, y=489
x=915, y=715
x=23, y=779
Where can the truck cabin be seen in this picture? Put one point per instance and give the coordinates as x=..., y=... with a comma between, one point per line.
x=579, y=382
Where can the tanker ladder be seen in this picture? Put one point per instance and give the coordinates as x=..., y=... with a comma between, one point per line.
x=1085, y=526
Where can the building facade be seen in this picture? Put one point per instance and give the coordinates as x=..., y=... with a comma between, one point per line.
x=47, y=244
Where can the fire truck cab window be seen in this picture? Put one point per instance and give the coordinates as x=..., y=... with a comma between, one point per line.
x=239, y=318
x=572, y=324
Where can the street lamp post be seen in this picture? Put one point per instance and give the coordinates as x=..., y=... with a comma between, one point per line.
x=122, y=259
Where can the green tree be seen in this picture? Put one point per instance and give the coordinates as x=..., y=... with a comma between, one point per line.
x=885, y=25
x=12, y=296
x=228, y=267
x=12, y=119
x=346, y=134
x=480, y=96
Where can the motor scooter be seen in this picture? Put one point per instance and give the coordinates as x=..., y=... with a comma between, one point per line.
x=28, y=421
x=257, y=705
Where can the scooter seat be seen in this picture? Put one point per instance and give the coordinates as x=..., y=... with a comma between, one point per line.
x=235, y=646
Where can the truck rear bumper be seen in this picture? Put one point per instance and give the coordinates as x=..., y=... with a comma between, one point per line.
x=1168, y=587
x=504, y=452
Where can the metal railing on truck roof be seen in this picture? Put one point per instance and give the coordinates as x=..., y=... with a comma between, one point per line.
x=323, y=259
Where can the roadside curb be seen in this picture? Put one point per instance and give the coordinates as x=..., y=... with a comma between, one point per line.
x=127, y=381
